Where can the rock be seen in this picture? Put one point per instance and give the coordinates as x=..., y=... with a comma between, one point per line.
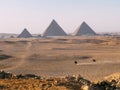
x=85, y=87
x=4, y=75
x=27, y=76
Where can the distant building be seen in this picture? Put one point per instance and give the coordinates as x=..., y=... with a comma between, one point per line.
x=24, y=34
x=54, y=30
x=84, y=30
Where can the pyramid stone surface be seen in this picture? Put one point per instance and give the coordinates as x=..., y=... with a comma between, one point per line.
x=84, y=29
x=54, y=30
x=25, y=34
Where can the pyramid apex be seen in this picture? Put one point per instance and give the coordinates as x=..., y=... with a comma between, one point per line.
x=53, y=21
x=84, y=22
x=25, y=29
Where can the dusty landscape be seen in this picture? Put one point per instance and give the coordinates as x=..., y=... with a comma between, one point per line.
x=55, y=57
x=96, y=57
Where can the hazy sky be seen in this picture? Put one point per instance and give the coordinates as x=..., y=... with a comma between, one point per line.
x=36, y=15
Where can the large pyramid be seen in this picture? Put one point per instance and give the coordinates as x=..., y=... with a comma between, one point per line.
x=54, y=30
x=25, y=34
x=84, y=29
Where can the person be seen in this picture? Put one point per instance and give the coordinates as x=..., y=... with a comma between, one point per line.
x=94, y=60
x=75, y=62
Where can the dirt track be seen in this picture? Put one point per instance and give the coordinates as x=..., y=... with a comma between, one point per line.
x=23, y=57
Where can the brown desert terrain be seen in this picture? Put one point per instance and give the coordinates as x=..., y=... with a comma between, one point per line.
x=96, y=57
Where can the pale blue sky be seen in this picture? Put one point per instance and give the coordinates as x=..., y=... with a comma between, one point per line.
x=36, y=15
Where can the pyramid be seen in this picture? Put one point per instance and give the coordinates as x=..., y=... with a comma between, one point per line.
x=84, y=29
x=54, y=30
x=25, y=34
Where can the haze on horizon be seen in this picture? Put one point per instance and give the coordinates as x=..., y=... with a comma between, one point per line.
x=36, y=15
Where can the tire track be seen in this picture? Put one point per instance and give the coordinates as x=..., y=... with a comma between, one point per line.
x=23, y=57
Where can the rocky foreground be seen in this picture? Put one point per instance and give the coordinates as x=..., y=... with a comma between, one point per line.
x=9, y=81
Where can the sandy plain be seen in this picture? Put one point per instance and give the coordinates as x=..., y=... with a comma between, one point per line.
x=55, y=57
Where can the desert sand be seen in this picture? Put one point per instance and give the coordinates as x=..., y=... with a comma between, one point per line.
x=96, y=56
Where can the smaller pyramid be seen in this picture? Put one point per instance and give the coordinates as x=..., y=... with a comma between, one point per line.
x=54, y=30
x=25, y=34
x=84, y=29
